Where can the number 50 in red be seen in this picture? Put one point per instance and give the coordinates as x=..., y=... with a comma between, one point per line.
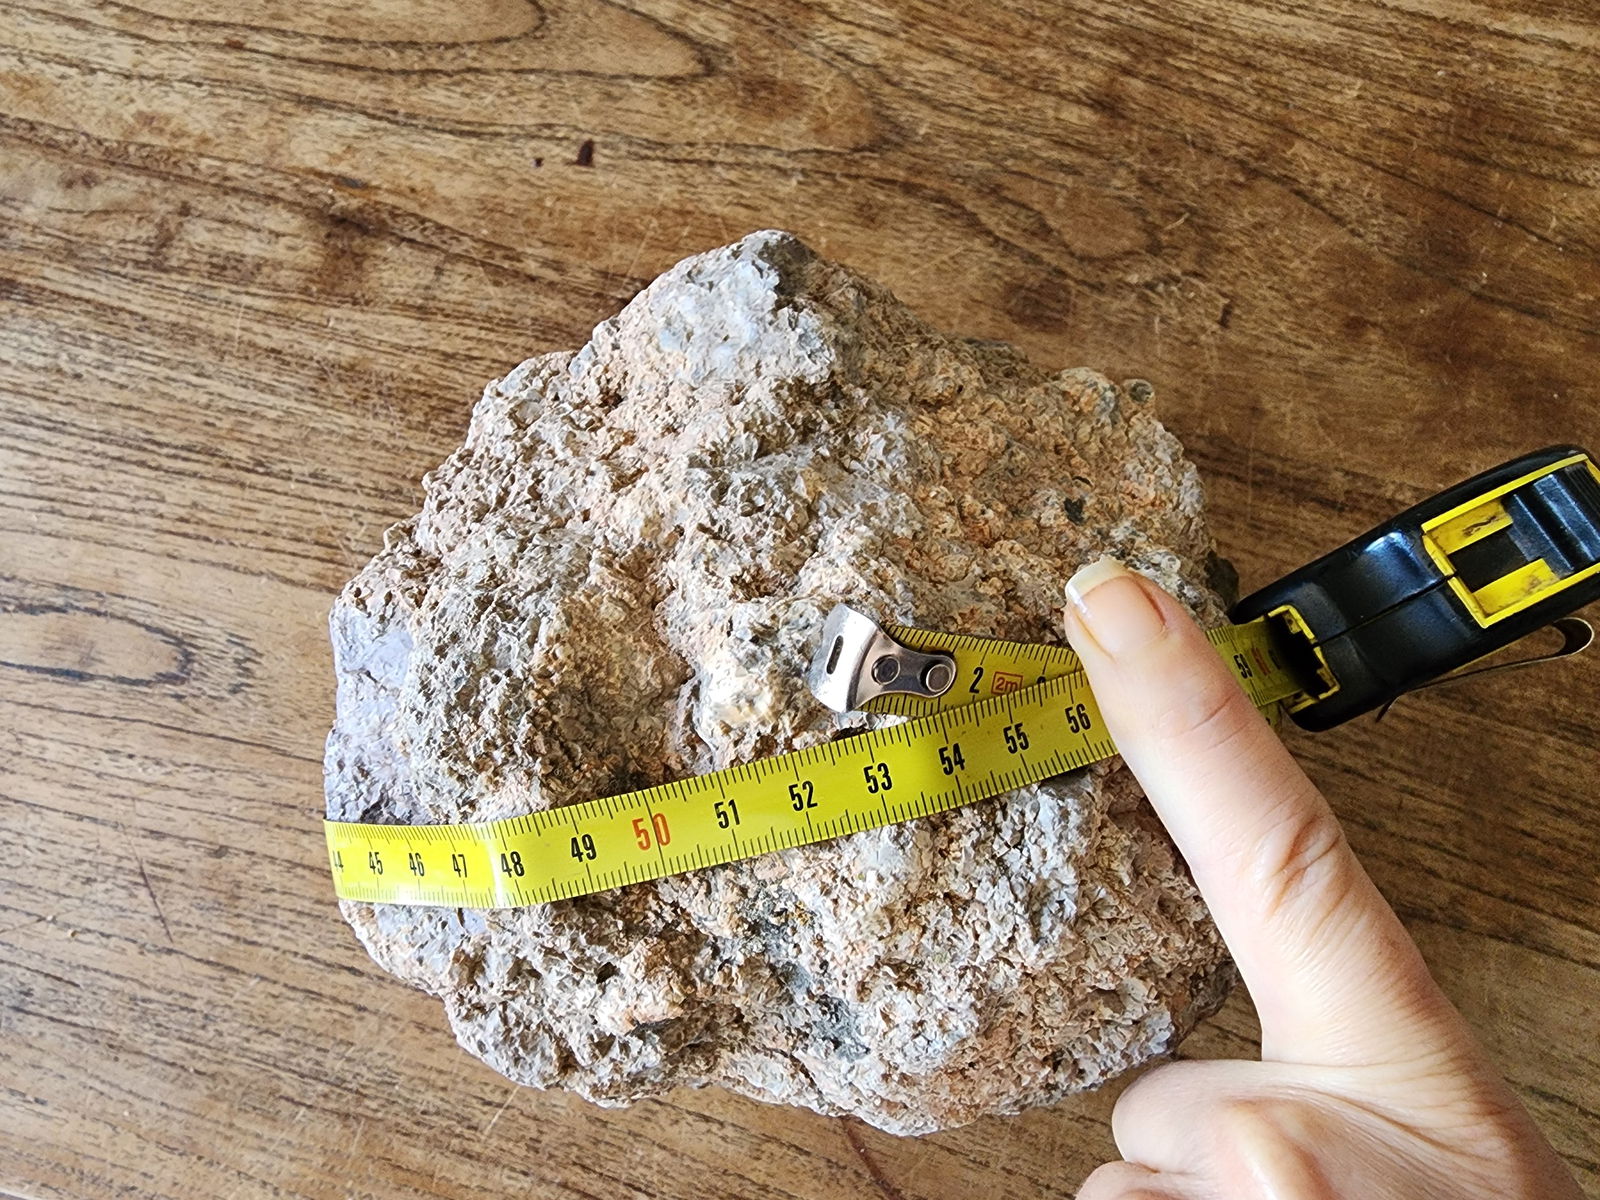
x=642, y=827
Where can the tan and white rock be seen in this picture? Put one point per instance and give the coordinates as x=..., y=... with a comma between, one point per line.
x=617, y=580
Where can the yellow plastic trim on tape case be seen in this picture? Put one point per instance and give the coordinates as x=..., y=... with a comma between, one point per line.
x=1039, y=719
x=1483, y=516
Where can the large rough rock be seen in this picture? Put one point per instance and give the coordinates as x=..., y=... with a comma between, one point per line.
x=617, y=581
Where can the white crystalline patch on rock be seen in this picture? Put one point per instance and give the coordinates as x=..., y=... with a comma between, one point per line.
x=616, y=581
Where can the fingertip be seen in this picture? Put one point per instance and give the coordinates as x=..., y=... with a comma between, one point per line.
x=1115, y=609
x=1161, y=683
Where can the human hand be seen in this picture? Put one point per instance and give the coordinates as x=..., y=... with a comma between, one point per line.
x=1370, y=1085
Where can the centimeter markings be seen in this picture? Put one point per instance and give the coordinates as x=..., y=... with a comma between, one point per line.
x=984, y=667
x=991, y=667
x=1038, y=720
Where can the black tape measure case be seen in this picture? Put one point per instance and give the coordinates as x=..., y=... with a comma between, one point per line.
x=1446, y=582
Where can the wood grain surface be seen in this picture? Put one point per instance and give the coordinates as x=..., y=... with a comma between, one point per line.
x=257, y=258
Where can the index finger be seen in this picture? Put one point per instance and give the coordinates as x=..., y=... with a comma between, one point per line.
x=1334, y=976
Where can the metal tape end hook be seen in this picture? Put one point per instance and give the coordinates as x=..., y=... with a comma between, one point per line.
x=1577, y=635
x=856, y=661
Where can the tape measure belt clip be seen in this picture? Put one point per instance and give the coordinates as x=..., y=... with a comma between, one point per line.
x=1450, y=580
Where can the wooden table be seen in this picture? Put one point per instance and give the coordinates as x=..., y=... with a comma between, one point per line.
x=255, y=266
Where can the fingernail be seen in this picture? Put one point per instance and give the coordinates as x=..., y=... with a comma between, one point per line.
x=1113, y=608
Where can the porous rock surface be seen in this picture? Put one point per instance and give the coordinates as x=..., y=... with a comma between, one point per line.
x=617, y=581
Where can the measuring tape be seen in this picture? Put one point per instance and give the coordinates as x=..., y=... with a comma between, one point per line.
x=1008, y=715
x=1482, y=564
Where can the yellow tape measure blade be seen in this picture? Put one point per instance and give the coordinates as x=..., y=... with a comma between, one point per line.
x=952, y=756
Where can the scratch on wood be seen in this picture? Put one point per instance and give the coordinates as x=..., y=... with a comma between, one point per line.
x=885, y=1186
x=13, y=929
x=145, y=875
x=501, y=1111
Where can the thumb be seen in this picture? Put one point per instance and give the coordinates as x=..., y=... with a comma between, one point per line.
x=1334, y=976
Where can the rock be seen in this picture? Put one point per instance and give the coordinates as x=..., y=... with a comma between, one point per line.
x=617, y=580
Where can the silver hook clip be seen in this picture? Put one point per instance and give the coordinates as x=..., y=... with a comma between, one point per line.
x=856, y=661
x=1577, y=635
